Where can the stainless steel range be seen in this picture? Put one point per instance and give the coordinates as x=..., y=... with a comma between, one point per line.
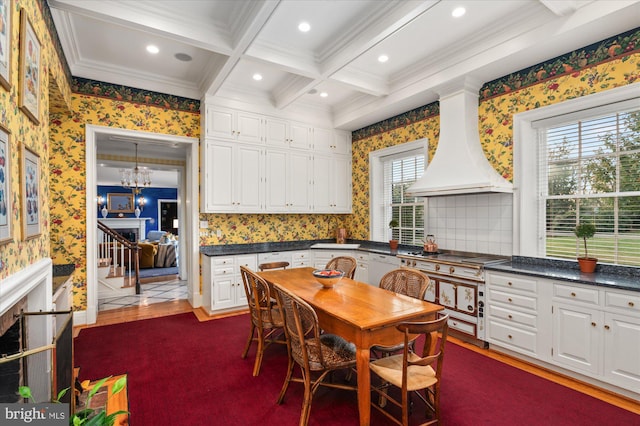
x=457, y=283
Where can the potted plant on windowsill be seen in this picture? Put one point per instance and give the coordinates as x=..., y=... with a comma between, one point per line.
x=393, y=244
x=586, y=230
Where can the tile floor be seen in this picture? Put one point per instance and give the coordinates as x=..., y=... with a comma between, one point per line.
x=165, y=291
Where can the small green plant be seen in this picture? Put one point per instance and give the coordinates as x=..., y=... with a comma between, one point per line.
x=87, y=416
x=584, y=231
x=393, y=224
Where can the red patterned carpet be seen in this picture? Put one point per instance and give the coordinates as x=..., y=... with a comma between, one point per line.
x=185, y=372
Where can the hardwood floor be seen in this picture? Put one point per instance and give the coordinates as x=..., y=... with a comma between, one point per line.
x=116, y=316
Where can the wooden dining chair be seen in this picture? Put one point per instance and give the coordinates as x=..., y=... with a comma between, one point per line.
x=407, y=281
x=346, y=264
x=413, y=373
x=316, y=354
x=273, y=265
x=267, y=324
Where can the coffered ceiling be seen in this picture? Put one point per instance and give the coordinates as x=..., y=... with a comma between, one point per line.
x=229, y=41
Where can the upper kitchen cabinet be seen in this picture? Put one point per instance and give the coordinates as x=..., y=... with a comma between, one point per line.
x=331, y=141
x=288, y=134
x=288, y=181
x=232, y=177
x=331, y=184
x=223, y=123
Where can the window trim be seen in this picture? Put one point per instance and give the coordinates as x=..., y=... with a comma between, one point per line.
x=526, y=241
x=376, y=180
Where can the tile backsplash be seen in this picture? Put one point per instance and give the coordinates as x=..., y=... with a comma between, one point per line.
x=481, y=223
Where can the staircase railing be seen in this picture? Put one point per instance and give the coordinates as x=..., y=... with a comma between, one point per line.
x=113, y=246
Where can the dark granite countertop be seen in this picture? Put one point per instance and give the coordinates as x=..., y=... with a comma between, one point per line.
x=61, y=274
x=610, y=276
x=234, y=249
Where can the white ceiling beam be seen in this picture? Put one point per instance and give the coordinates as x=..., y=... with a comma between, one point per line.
x=253, y=26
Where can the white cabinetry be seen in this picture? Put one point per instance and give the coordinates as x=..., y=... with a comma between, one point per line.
x=288, y=181
x=331, y=141
x=322, y=257
x=289, y=134
x=331, y=184
x=232, y=177
x=222, y=123
x=512, y=312
x=596, y=331
x=222, y=287
x=362, y=270
x=301, y=259
x=380, y=264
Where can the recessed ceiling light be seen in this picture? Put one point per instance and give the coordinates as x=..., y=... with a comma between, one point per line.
x=304, y=27
x=383, y=58
x=152, y=49
x=458, y=12
x=183, y=57
x=257, y=77
x=324, y=94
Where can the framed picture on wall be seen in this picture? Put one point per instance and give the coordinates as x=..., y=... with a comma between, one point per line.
x=5, y=186
x=120, y=203
x=31, y=197
x=6, y=11
x=30, y=52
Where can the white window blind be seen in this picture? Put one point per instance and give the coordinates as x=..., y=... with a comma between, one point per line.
x=589, y=171
x=400, y=171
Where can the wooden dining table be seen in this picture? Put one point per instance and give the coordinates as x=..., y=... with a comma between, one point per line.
x=363, y=314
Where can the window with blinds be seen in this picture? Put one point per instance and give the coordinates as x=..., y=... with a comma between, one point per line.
x=590, y=172
x=400, y=171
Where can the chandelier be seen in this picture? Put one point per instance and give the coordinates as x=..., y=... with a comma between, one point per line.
x=137, y=178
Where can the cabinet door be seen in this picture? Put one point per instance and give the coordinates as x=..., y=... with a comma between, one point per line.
x=248, y=175
x=447, y=294
x=341, y=175
x=299, y=135
x=299, y=183
x=342, y=142
x=224, y=292
x=276, y=133
x=220, y=123
x=322, y=184
x=249, y=128
x=219, y=177
x=577, y=339
x=622, y=351
x=276, y=180
x=323, y=140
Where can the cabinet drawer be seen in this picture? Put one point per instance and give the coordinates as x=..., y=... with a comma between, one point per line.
x=579, y=294
x=222, y=261
x=223, y=270
x=522, y=339
x=299, y=257
x=513, y=316
x=462, y=326
x=516, y=283
x=364, y=257
x=629, y=302
x=511, y=299
x=301, y=263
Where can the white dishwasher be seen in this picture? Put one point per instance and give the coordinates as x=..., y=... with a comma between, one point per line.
x=380, y=264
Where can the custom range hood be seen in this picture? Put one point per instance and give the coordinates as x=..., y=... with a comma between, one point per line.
x=459, y=165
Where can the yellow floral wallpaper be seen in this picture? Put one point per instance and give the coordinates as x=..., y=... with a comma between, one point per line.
x=17, y=254
x=68, y=171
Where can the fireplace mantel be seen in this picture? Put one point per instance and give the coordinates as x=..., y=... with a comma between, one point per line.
x=128, y=223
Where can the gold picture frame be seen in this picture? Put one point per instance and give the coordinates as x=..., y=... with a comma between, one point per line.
x=30, y=73
x=6, y=20
x=6, y=233
x=120, y=203
x=31, y=197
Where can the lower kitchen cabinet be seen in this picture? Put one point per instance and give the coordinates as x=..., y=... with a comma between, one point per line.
x=362, y=270
x=322, y=257
x=301, y=259
x=596, y=332
x=222, y=286
x=512, y=313
x=380, y=264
